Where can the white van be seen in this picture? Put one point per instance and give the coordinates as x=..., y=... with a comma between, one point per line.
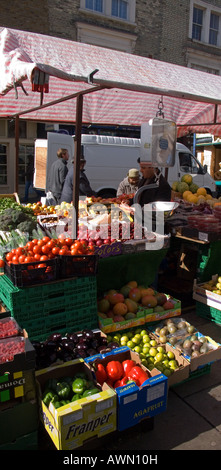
x=109, y=159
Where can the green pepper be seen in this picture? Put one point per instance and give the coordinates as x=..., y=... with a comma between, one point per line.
x=75, y=397
x=63, y=390
x=64, y=402
x=79, y=386
x=47, y=397
x=57, y=404
x=90, y=392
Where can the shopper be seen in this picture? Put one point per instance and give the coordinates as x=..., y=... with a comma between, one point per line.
x=58, y=172
x=129, y=185
x=152, y=175
x=84, y=184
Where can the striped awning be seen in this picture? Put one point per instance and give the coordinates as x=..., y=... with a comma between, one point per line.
x=130, y=86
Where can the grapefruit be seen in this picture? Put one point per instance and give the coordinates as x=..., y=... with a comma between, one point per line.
x=201, y=192
x=187, y=179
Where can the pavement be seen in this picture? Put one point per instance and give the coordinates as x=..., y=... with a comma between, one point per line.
x=192, y=420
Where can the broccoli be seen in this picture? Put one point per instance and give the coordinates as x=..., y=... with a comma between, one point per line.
x=27, y=226
x=6, y=223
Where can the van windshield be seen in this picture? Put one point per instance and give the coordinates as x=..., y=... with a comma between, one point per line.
x=189, y=164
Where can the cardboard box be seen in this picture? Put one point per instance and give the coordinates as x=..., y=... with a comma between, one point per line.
x=214, y=353
x=136, y=403
x=152, y=316
x=18, y=420
x=207, y=297
x=75, y=423
x=183, y=372
x=107, y=325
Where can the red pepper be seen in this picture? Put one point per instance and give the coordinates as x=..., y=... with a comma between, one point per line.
x=117, y=383
x=138, y=375
x=101, y=375
x=127, y=365
x=114, y=370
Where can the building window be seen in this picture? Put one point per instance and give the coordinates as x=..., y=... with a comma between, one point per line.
x=24, y=151
x=197, y=23
x=214, y=29
x=95, y=5
x=3, y=164
x=119, y=9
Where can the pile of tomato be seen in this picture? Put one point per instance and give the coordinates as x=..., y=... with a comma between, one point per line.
x=48, y=248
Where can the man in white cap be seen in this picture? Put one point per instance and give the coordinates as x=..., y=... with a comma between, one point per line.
x=129, y=185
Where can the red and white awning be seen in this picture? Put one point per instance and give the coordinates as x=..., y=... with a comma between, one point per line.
x=133, y=85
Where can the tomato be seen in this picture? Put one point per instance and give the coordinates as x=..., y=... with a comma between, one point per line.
x=9, y=256
x=41, y=243
x=45, y=249
x=74, y=252
x=28, y=259
x=42, y=265
x=46, y=239
x=50, y=255
x=61, y=237
x=21, y=258
x=36, y=249
x=15, y=259
x=43, y=258
x=35, y=241
x=68, y=241
x=29, y=245
x=51, y=243
x=55, y=250
x=63, y=251
x=77, y=244
x=37, y=256
x=2, y=263
x=19, y=251
x=13, y=251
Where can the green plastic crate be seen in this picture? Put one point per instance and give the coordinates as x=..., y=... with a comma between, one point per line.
x=209, y=313
x=26, y=442
x=42, y=300
x=67, y=320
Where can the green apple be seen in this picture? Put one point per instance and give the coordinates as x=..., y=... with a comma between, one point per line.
x=130, y=344
x=144, y=362
x=159, y=357
x=144, y=332
x=173, y=364
x=135, y=340
x=146, y=339
x=137, y=349
x=160, y=349
x=153, y=342
x=159, y=366
x=170, y=354
x=152, y=351
x=150, y=360
x=124, y=338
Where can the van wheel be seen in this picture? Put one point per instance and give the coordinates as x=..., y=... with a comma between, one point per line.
x=106, y=193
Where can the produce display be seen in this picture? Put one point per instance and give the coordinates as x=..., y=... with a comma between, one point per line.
x=191, y=192
x=60, y=392
x=172, y=329
x=9, y=347
x=152, y=353
x=118, y=374
x=124, y=304
x=213, y=285
x=9, y=327
x=63, y=348
x=194, y=345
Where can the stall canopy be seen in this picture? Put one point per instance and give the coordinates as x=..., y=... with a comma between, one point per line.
x=126, y=88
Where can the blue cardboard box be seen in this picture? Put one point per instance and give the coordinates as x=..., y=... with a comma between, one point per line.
x=135, y=403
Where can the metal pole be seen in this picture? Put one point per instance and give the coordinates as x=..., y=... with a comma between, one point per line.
x=16, y=152
x=77, y=155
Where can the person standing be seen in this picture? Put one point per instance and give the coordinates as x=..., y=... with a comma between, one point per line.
x=151, y=175
x=84, y=184
x=58, y=173
x=129, y=185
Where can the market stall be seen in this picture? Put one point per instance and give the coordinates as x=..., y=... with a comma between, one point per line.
x=60, y=313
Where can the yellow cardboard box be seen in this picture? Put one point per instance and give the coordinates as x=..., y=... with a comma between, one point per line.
x=71, y=425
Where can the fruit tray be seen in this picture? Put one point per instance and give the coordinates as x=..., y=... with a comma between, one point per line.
x=9, y=327
x=28, y=274
x=9, y=347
